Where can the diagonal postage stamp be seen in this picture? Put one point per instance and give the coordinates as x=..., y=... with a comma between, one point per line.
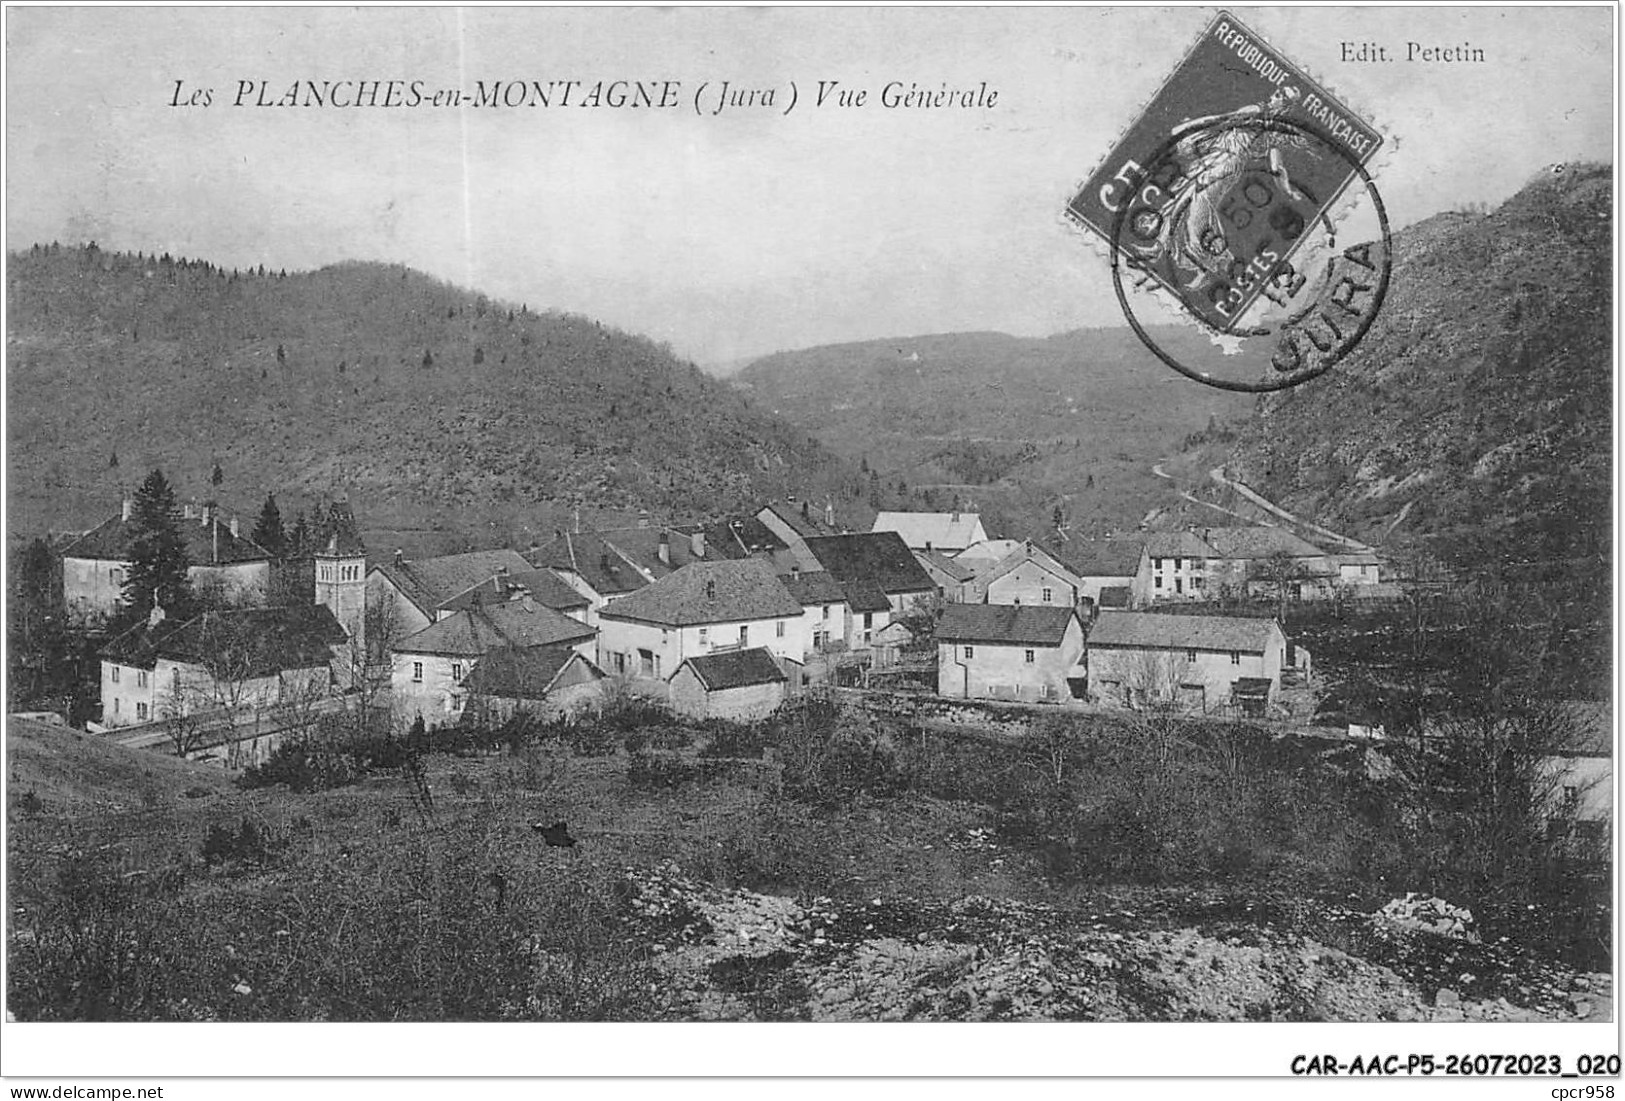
x=1212, y=190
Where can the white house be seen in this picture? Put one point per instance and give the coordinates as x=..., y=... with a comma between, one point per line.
x=949, y=532
x=742, y=685
x=95, y=566
x=1359, y=569
x=1028, y=574
x=220, y=660
x=1261, y=561
x=826, y=614
x=1194, y=662
x=703, y=608
x=431, y=667
x=1006, y=651
x=1173, y=566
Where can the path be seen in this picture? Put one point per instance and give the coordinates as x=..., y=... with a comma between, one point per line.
x=1217, y=474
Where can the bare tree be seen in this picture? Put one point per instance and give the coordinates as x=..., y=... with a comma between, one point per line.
x=181, y=718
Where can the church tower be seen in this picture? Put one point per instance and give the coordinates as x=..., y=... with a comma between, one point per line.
x=341, y=569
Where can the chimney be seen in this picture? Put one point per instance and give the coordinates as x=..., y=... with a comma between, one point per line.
x=953, y=517
x=527, y=603
x=187, y=511
x=928, y=546
x=234, y=528
x=156, y=616
x=795, y=569
x=578, y=521
x=502, y=570
x=710, y=590
x=665, y=546
x=829, y=514
x=214, y=539
x=643, y=517
x=804, y=513
x=400, y=557
x=696, y=544
x=124, y=513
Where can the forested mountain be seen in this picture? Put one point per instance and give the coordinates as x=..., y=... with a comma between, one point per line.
x=1480, y=404
x=1019, y=426
x=427, y=403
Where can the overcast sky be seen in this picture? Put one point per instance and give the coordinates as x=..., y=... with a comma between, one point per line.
x=737, y=234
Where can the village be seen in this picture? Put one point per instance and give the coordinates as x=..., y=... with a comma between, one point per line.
x=725, y=620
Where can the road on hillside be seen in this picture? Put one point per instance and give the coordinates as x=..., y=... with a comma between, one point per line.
x=1217, y=474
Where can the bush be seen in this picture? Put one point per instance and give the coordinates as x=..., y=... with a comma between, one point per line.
x=731, y=739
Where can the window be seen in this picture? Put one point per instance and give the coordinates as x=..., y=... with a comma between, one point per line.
x=868, y=620
x=779, y=629
x=140, y=710
x=1190, y=656
x=620, y=662
x=1029, y=657
x=646, y=662
x=1176, y=563
x=456, y=701
x=744, y=634
x=1049, y=595
x=1156, y=582
x=114, y=676
x=1196, y=582
x=818, y=639
x=1571, y=799
x=1179, y=584
x=417, y=671
x=457, y=672
x=141, y=678
x=1156, y=563
x=116, y=702
x=970, y=652
x=705, y=636
x=826, y=611
x=1235, y=657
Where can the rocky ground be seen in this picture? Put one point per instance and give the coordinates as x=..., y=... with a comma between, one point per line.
x=1175, y=956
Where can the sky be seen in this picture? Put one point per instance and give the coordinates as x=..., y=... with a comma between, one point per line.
x=735, y=234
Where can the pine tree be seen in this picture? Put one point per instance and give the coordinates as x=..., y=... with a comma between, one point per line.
x=298, y=543
x=268, y=531
x=112, y=461
x=158, y=558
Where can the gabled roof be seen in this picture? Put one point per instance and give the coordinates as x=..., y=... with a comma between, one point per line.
x=524, y=673
x=939, y=530
x=1004, y=624
x=816, y=587
x=709, y=592
x=802, y=517
x=543, y=586
x=1177, y=544
x=430, y=582
x=881, y=557
x=477, y=631
x=1157, y=631
x=1115, y=596
x=207, y=544
x=1258, y=542
x=734, y=669
x=588, y=555
x=936, y=560
x=863, y=595
x=741, y=538
x=981, y=555
x=1102, y=557
x=1023, y=554
x=254, y=642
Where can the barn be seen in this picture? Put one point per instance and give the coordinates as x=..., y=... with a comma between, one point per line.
x=742, y=685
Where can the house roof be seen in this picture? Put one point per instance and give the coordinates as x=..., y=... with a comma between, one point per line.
x=479, y=630
x=523, y=673
x=981, y=555
x=734, y=669
x=430, y=582
x=255, y=641
x=946, y=530
x=1004, y=624
x=207, y=544
x=802, y=517
x=337, y=532
x=709, y=592
x=741, y=538
x=1102, y=557
x=936, y=560
x=595, y=560
x=1177, y=544
x=1258, y=542
x=543, y=586
x=1115, y=596
x=1157, y=631
x=815, y=587
x=1022, y=554
x=863, y=595
x=881, y=557
x=1357, y=558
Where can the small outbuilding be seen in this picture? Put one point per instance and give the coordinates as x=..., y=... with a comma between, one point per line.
x=742, y=685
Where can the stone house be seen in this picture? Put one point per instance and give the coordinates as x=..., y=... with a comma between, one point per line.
x=826, y=612
x=1010, y=651
x=703, y=608
x=880, y=559
x=1193, y=662
x=417, y=592
x=741, y=685
x=1029, y=574
x=604, y=566
x=221, y=660
x=1259, y=561
x=95, y=566
x=547, y=682
x=951, y=577
x=430, y=668
x=1173, y=565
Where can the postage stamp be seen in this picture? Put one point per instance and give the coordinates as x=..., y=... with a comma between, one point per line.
x=1238, y=160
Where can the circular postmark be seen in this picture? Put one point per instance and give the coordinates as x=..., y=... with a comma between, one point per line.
x=1234, y=249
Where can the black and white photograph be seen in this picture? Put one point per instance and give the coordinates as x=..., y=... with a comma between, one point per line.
x=640, y=517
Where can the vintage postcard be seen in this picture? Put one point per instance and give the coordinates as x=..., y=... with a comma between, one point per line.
x=608, y=519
